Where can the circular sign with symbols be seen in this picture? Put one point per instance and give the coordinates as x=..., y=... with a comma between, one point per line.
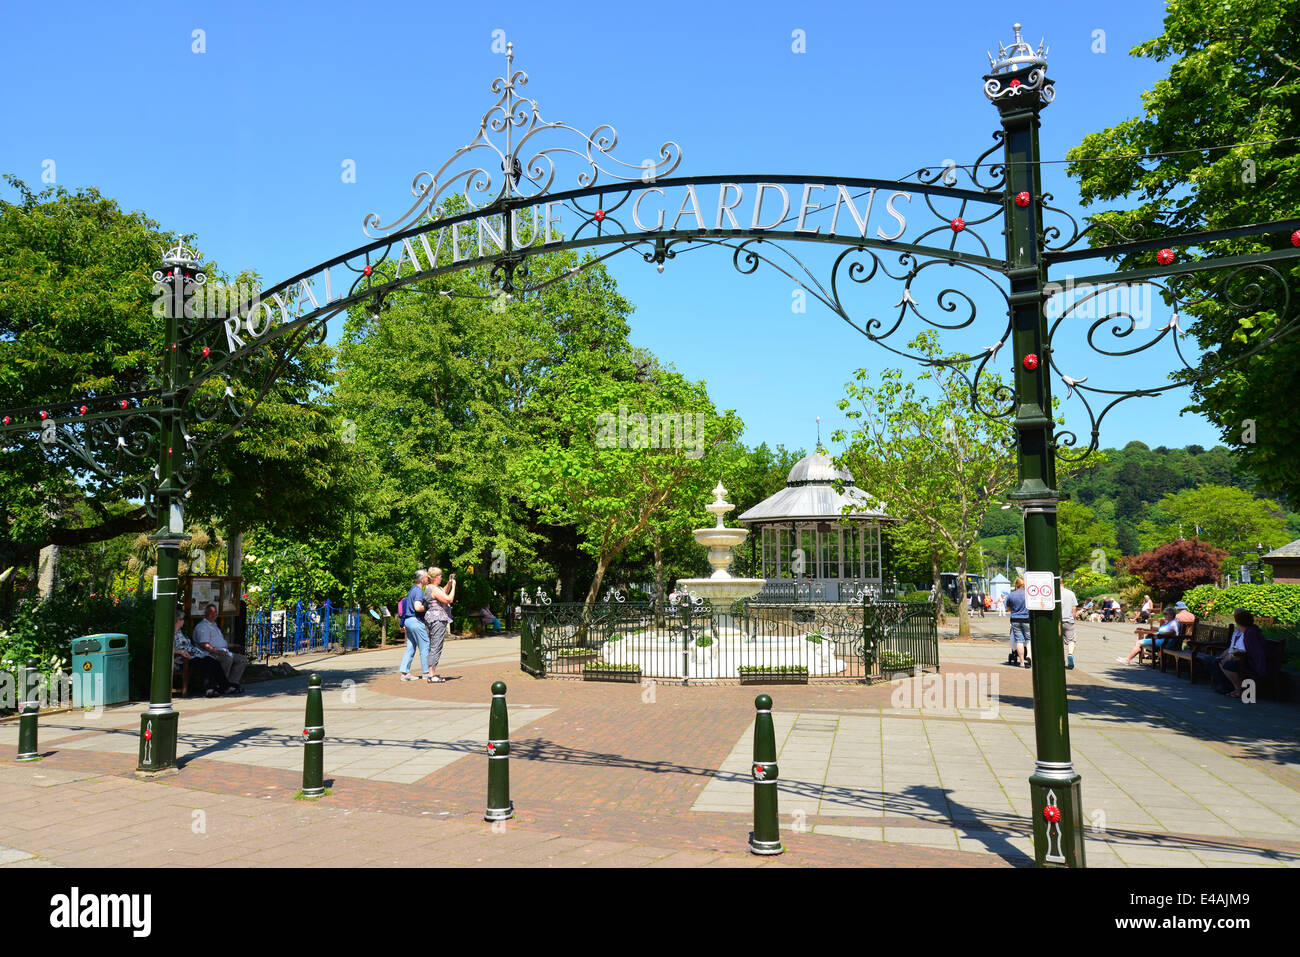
x=1040, y=591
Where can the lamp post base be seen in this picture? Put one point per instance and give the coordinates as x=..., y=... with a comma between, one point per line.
x=1058, y=817
x=158, y=742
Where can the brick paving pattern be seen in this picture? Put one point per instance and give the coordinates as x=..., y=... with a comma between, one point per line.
x=910, y=773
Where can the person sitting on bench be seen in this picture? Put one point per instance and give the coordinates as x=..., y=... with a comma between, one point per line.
x=185, y=650
x=1166, y=632
x=1245, y=648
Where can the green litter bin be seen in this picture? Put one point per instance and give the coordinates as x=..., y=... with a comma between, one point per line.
x=101, y=671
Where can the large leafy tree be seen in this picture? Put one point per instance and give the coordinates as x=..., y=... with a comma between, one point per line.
x=77, y=317
x=597, y=462
x=1225, y=517
x=1234, y=78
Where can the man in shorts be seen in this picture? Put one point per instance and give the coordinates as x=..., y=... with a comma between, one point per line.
x=1068, y=603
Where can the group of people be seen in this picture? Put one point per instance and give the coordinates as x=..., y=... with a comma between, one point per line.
x=426, y=616
x=1244, y=651
x=220, y=664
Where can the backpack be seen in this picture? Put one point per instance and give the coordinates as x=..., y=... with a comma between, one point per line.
x=401, y=610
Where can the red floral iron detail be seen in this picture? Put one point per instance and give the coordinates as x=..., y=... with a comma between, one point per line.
x=1023, y=199
x=1295, y=238
x=1013, y=84
x=1165, y=257
x=44, y=415
x=367, y=271
x=1031, y=362
x=958, y=224
x=599, y=215
x=206, y=352
x=1052, y=813
x=123, y=403
x=82, y=410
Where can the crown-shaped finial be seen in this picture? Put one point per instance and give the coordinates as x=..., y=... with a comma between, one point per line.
x=180, y=255
x=1018, y=56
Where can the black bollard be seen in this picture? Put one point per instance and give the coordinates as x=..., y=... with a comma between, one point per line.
x=499, y=805
x=313, y=755
x=766, y=836
x=27, y=714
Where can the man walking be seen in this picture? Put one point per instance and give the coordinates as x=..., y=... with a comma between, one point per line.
x=1068, y=603
x=208, y=636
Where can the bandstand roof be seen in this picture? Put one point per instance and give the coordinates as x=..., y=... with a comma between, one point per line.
x=809, y=495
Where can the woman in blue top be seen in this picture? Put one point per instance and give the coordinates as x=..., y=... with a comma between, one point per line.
x=1019, y=621
x=1166, y=632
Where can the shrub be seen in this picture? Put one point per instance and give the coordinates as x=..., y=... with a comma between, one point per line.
x=896, y=661
x=915, y=596
x=1281, y=602
x=1173, y=569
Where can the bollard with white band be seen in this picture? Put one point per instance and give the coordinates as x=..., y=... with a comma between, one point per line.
x=499, y=805
x=313, y=735
x=27, y=714
x=766, y=836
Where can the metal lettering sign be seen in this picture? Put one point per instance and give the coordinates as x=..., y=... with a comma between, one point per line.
x=1040, y=591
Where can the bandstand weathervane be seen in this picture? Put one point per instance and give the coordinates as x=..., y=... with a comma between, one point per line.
x=506, y=197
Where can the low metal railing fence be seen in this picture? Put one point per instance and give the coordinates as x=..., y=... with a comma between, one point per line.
x=300, y=628
x=745, y=641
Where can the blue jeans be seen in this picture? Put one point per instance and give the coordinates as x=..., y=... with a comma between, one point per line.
x=417, y=638
x=1216, y=667
x=1019, y=632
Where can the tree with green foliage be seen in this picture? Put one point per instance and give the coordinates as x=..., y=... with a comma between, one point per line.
x=1234, y=78
x=1079, y=536
x=613, y=450
x=77, y=318
x=1228, y=518
x=933, y=461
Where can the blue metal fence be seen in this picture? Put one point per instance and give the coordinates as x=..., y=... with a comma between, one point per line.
x=302, y=627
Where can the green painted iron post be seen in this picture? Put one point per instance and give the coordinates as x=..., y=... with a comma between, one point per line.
x=499, y=805
x=160, y=724
x=28, y=714
x=766, y=836
x=313, y=735
x=1020, y=90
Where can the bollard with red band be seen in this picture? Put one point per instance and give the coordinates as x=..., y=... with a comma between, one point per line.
x=313, y=736
x=499, y=805
x=27, y=714
x=766, y=836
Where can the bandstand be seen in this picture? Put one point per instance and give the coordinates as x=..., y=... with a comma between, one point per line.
x=810, y=548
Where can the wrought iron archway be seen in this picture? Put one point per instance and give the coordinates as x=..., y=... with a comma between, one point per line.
x=206, y=358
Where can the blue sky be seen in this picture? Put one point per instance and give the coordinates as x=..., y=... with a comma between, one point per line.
x=244, y=143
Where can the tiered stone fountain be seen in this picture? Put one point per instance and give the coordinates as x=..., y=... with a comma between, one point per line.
x=721, y=588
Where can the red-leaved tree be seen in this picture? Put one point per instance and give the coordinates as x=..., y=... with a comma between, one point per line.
x=1172, y=569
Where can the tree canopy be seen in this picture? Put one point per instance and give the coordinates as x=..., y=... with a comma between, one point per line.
x=1234, y=78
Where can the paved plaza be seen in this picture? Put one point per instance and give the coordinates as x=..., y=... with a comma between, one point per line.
x=920, y=772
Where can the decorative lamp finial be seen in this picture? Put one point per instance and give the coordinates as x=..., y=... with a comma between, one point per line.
x=180, y=255
x=1028, y=65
